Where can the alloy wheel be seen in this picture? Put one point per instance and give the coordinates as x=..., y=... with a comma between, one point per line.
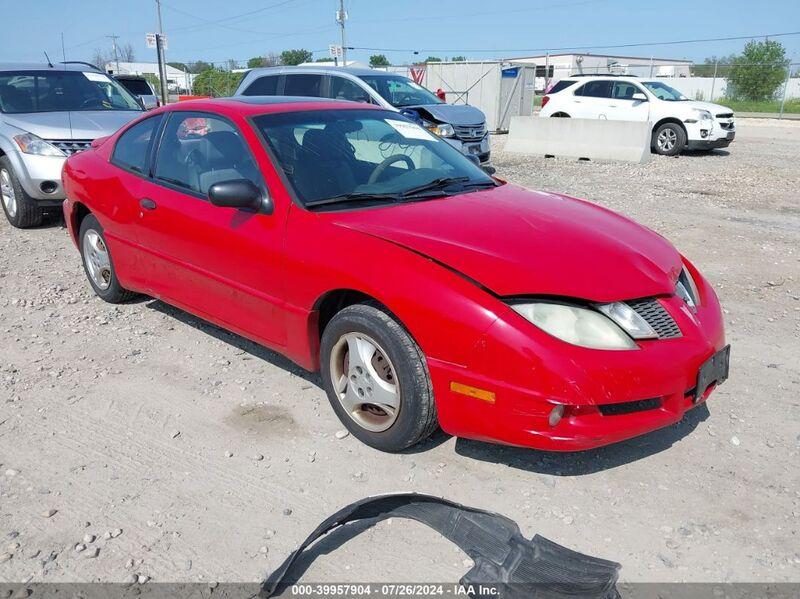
x=7, y=191
x=365, y=382
x=667, y=140
x=98, y=262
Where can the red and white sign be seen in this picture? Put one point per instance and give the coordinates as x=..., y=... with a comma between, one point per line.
x=418, y=74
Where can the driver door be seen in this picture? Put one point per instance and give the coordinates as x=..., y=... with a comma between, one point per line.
x=223, y=264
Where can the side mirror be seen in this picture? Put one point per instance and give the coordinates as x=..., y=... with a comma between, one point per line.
x=489, y=170
x=639, y=97
x=239, y=193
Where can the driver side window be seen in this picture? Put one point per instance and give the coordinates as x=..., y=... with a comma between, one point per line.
x=198, y=150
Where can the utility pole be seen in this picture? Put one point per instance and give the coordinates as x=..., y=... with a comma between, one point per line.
x=341, y=17
x=162, y=66
x=116, y=56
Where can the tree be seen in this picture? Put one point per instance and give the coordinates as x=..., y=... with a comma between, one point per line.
x=199, y=66
x=433, y=59
x=759, y=71
x=255, y=62
x=459, y=59
x=125, y=53
x=379, y=60
x=181, y=66
x=295, y=57
x=215, y=82
x=714, y=65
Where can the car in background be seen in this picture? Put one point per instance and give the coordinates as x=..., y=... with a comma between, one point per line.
x=462, y=126
x=678, y=123
x=141, y=88
x=47, y=113
x=355, y=242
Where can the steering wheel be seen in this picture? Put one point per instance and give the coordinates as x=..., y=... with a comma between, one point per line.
x=381, y=168
x=90, y=102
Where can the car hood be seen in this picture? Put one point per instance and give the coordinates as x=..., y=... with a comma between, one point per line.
x=518, y=242
x=710, y=106
x=455, y=114
x=87, y=124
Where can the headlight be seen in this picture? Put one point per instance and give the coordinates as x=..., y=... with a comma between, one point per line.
x=703, y=115
x=442, y=130
x=686, y=289
x=628, y=320
x=576, y=325
x=33, y=144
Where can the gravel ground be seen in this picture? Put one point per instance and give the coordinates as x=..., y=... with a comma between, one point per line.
x=136, y=440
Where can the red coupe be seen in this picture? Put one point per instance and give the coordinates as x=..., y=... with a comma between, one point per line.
x=427, y=293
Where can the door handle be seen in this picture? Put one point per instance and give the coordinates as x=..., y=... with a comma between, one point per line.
x=147, y=204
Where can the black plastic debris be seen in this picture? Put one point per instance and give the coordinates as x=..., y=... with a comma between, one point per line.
x=506, y=565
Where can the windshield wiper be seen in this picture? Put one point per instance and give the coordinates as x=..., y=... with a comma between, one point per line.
x=353, y=197
x=444, y=182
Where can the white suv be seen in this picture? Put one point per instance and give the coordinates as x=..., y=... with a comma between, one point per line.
x=677, y=122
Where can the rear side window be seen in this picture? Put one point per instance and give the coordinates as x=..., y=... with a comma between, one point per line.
x=133, y=146
x=140, y=87
x=263, y=86
x=561, y=85
x=303, y=85
x=596, y=89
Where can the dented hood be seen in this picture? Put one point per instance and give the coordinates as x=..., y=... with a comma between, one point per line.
x=455, y=114
x=519, y=242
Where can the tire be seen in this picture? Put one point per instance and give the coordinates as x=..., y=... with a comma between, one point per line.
x=21, y=210
x=559, y=115
x=669, y=139
x=361, y=326
x=97, y=263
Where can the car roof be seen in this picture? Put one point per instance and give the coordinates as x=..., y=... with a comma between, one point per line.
x=43, y=66
x=356, y=71
x=126, y=76
x=582, y=77
x=255, y=105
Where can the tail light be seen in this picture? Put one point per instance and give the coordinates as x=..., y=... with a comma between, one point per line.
x=545, y=100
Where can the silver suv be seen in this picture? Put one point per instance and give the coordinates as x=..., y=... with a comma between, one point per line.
x=48, y=112
x=462, y=126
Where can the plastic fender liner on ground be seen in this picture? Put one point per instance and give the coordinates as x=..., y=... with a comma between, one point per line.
x=504, y=560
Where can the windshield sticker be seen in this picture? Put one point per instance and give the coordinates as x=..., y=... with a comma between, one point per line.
x=410, y=130
x=99, y=77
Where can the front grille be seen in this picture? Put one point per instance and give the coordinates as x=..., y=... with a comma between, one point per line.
x=470, y=132
x=71, y=146
x=629, y=407
x=725, y=115
x=656, y=316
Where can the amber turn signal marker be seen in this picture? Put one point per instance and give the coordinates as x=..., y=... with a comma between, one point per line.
x=481, y=394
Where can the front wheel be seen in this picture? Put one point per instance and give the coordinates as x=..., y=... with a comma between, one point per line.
x=97, y=263
x=21, y=210
x=376, y=378
x=669, y=139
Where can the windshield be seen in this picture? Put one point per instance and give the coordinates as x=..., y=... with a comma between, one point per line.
x=51, y=91
x=400, y=91
x=662, y=91
x=367, y=156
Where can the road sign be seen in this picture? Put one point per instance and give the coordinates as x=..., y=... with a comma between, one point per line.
x=150, y=40
x=336, y=51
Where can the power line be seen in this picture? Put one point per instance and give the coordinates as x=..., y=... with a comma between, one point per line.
x=565, y=48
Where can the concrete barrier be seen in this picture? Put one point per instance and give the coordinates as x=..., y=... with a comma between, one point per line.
x=595, y=139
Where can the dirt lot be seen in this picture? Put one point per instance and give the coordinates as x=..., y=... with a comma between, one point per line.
x=214, y=457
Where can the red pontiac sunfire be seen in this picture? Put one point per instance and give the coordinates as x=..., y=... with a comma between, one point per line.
x=428, y=293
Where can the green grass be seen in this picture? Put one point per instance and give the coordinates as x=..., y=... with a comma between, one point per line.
x=792, y=105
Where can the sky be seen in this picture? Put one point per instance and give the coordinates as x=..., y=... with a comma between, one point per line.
x=217, y=31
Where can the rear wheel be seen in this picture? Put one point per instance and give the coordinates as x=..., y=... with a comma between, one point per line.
x=560, y=115
x=21, y=210
x=376, y=378
x=669, y=139
x=97, y=263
